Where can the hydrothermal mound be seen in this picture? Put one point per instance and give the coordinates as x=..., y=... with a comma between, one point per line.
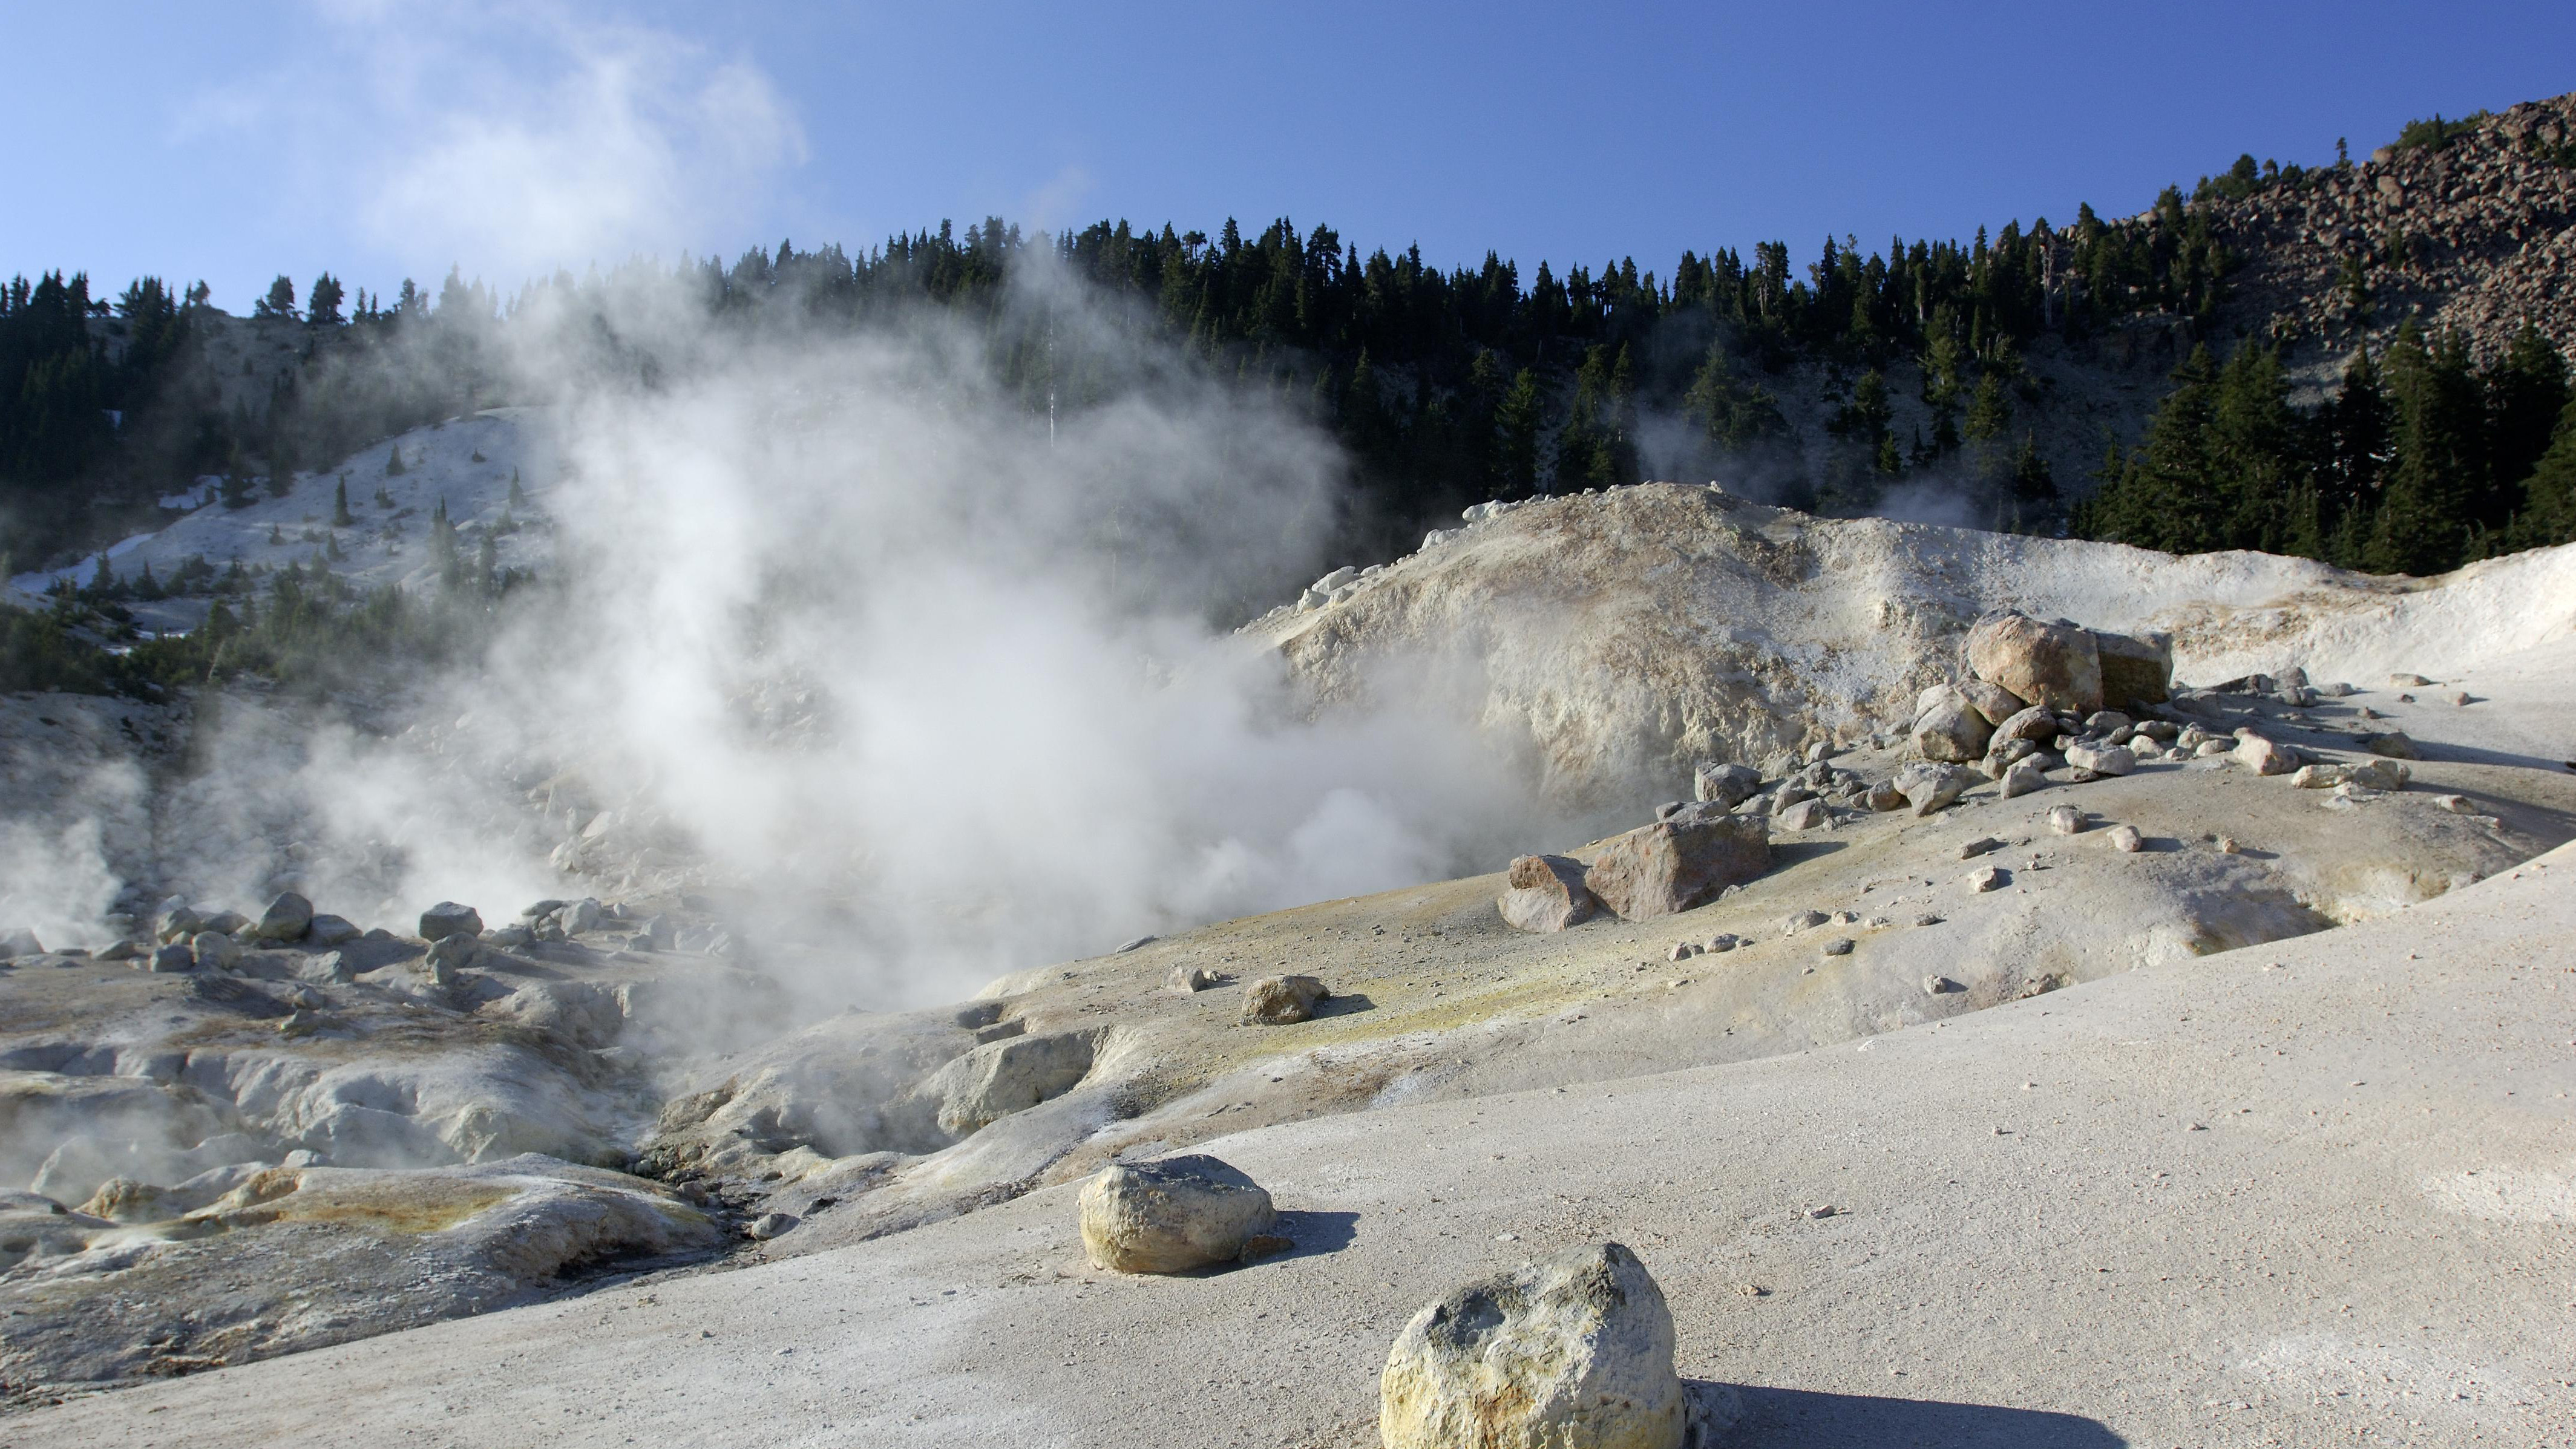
x=2174, y=1164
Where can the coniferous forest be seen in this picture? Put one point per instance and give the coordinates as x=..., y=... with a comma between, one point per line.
x=1446, y=387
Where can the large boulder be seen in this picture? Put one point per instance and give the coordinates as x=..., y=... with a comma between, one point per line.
x=2057, y=665
x=1281, y=1000
x=1172, y=1216
x=1546, y=893
x=1950, y=727
x=1725, y=786
x=1679, y=862
x=2135, y=672
x=286, y=919
x=1572, y=1352
x=447, y=918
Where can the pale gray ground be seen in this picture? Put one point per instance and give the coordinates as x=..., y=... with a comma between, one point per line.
x=2314, y=1192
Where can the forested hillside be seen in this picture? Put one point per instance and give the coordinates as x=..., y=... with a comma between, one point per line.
x=2376, y=418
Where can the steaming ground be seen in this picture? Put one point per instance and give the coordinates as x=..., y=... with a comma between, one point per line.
x=317, y=1146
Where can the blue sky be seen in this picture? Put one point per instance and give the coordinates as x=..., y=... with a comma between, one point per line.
x=382, y=139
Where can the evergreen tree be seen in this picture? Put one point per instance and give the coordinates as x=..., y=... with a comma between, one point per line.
x=340, y=516
x=1516, y=425
x=2549, y=496
x=322, y=309
x=2423, y=523
x=279, y=303
x=393, y=462
x=2527, y=393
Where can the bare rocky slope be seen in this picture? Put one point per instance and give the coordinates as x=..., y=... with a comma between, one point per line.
x=274, y=1146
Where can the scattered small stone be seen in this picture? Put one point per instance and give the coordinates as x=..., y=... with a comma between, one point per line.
x=1928, y=918
x=1940, y=986
x=1188, y=980
x=1839, y=946
x=2022, y=777
x=1992, y=878
x=2066, y=820
x=1684, y=950
x=2456, y=804
x=770, y=1225
x=2227, y=846
x=2263, y=756
x=2462, y=698
x=2126, y=839
x=1796, y=921
x=1979, y=846
x=2410, y=681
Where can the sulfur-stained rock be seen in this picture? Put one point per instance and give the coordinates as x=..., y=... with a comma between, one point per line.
x=1281, y=1000
x=1172, y=1216
x=1571, y=1352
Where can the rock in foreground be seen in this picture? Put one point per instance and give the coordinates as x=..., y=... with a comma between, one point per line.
x=1573, y=1352
x=1174, y=1216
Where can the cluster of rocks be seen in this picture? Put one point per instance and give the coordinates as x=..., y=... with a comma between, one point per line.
x=1691, y=854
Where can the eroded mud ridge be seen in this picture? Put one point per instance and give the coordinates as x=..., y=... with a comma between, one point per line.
x=251, y=1128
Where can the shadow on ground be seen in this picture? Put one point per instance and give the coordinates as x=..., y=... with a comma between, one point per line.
x=1781, y=1418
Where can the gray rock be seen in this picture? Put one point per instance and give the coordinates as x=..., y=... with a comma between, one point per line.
x=1806, y=815
x=2112, y=760
x=1172, y=1216
x=454, y=952
x=177, y=920
x=174, y=959
x=1572, y=1352
x=1839, y=946
x=1951, y=730
x=327, y=931
x=1282, y=1000
x=1725, y=785
x=2393, y=745
x=1546, y=893
x=2066, y=820
x=124, y=951
x=1940, y=986
x=19, y=941
x=1982, y=845
x=1885, y=796
x=1796, y=921
x=1990, y=878
x=769, y=1225
x=1674, y=865
x=2022, y=777
x=287, y=919
x=1928, y=787
x=328, y=968
x=2126, y=839
x=447, y=918
x=2379, y=774
x=214, y=950
x=1190, y=980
